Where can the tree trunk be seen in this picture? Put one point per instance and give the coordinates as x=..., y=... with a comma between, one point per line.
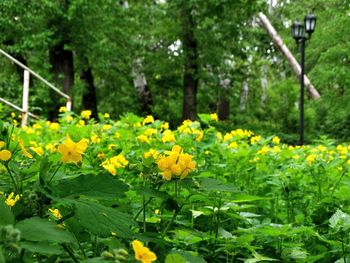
x=313, y=93
x=244, y=96
x=140, y=83
x=89, y=96
x=190, y=55
x=263, y=85
x=62, y=69
x=224, y=102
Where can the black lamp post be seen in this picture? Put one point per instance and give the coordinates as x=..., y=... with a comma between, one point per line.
x=298, y=29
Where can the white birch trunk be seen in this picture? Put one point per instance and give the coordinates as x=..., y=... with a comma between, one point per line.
x=244, y=96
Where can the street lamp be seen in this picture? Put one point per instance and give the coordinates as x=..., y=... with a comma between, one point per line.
x=298, y=29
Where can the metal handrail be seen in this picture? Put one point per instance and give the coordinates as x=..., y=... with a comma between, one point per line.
x=24, y=109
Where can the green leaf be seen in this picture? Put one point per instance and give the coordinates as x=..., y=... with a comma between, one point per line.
x=2, y=257
x=41, y=248
x=210, y=184
x=151, y=192
x=189, y=256
x=175, y=258
x=6, y=217
x=340, y=221
x=103, y=186
x=38, y=229
x=101, y=220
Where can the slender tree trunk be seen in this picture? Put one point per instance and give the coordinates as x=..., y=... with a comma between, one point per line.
x=62, y=70
x=263, y=85
x=244, y=96
x=140, y=83
x=224, y=102
x=89, y=96
x=190, y=78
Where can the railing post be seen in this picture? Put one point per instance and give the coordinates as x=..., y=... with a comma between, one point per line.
x=25, y=97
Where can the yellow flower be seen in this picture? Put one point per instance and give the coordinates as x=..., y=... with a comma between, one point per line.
x=5, y=155
x=100, y=155
x=36, y=126
x=69, y=118
x=109, y=167
x=150, y=131
x=95, y=139
x=50, y=147
x=143, y=254
x=114, y=163
x=15, y=123
x=214, y=117
x=24, y=150
x=106, y=115
x=71, y=151
x=148, y=119
x=12, y=201
x=311, y=158
x=80, y=123
x=55, y=212
x=276, y=140
x=199, y=134
x=117, y=135
x=54, y=126
x=233, y=145
x=143, y=138
x=168, y=136
x=175, y=163
x=151, y=153
x=38, y=150
x=62, y=109
x=106, y=127
x=13, y=115
x=264, y=150
x=86, y=114
x=255, y=139
x=165, y=126
x=227, y=137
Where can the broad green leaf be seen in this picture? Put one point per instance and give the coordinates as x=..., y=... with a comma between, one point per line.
x=2, y=257
x=189, y=256
x=340, y=221
x=6, y=216
x=175, y=258
x=41, y=248
x=101, y=220
x=210, y=184
x=38, y=229
x=147, y=191
x=103, y=186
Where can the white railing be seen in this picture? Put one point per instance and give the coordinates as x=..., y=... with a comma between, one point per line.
x=25, y=96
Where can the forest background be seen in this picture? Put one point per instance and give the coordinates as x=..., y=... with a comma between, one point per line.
x=175, y=59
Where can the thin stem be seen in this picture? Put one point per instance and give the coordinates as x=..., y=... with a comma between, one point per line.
x=144, y=213
x=70, y=253
x=67, y=216
x=140, y=211
x=58, y=167
x=12, y=178
x=337, y=184
x=95, y=246
x=170, y=222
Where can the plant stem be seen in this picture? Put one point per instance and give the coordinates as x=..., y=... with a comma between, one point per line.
x=337, y=184
x=144, y=213
x=70, y=253
x=12, y=178
x=170, y=222
x=58, y=167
